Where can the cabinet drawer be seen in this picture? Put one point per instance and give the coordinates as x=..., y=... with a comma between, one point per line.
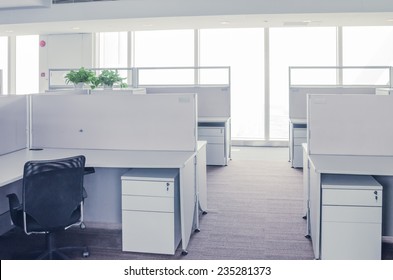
x=352, y=214
x=147, y=203
x=148, y=188
x=351, y=241
x=211, y=131
x=148, y=232
x=299, y=132
x=352, y=197
x=211, y=139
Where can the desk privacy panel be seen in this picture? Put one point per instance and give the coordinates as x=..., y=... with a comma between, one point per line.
x=13, y=123
x=115, y=122
x=350, y=125
x=298, y=97
x=213, y=101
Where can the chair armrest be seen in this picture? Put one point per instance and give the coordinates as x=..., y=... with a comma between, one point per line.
x=14, y=202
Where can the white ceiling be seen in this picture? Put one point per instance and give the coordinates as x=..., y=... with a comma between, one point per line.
x=108, y=16
x=199, y=22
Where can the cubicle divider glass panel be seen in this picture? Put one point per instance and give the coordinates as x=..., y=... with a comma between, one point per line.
x=57, y=78
x=340, y=76
x=183, y=76
x=166, y=76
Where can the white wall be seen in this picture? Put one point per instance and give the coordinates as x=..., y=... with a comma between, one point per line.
x=170, y=8
x=64, y=51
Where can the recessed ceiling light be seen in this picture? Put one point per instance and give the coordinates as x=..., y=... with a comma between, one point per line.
x=224, y=22
x=148, y=25
x=76, y=28
x=390, y=20
x=9, y=31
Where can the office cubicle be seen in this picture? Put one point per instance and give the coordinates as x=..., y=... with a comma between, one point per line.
x=326, y=80
x=115, y=132
x=350, y=135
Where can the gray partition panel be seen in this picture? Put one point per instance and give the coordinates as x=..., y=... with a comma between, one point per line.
x=13, y=123
x=122, y=122
x=213, y=101
x=298, y=97
x=350, y=124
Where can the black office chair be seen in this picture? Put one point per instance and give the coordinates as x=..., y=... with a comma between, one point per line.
x=52, y=201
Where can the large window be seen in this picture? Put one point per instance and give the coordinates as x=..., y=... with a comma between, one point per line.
x=367, y=46
x=242, y=50
x=27, y=64
x=306, y=46
x=112, y=50
x=4, y=63
x=164, y=48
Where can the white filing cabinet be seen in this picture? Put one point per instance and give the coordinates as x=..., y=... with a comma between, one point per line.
x=298, y=136
x=351, y=225
x=151, y=211
x=216, y=150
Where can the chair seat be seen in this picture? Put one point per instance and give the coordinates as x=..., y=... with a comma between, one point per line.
x=33, y=226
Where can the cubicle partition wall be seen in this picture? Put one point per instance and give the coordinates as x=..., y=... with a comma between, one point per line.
x=350, y=135
x=114, y=122
x=213, y=101
x=212, y=85
x=326, y=80
x=13, y=123
x=350, y=125
x=13, y=137
x=1, y=82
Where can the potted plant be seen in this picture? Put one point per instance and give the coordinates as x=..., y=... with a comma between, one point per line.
x=109, y=78
x=80, y=77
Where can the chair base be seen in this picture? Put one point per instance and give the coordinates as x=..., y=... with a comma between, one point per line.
x=53, y=253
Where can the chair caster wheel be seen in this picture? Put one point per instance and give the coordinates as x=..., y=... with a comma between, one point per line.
x=307, y=236
x=82, y=226
x=204, y=213
x=197, y=230
x=305, y=217
x=184, y=253
x=86, y=254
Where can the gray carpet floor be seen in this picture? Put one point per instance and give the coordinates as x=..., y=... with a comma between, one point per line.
x=255, y=209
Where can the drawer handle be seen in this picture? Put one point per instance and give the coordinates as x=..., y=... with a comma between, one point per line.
x=167, y=186
x=376, y=195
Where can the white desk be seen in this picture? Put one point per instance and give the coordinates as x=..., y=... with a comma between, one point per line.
x=11, y=166
x=378, y=166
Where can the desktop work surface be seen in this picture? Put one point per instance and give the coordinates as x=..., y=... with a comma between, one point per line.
x=103, y=206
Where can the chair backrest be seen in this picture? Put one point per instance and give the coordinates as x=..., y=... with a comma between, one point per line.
x=53, y=191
